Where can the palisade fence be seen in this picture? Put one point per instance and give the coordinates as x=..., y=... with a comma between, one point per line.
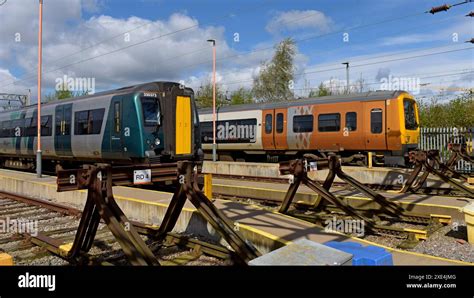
x=440, y=137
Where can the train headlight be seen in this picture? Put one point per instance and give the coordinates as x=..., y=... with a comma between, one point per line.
x=157, y=142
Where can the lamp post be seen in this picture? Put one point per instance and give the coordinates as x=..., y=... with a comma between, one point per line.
x=40, y=44
x=347, y=76
x=214, y=145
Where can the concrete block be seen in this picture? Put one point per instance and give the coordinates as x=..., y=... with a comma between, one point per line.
x=469, y=218
x=304, y=252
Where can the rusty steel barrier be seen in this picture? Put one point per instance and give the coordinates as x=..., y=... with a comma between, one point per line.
x=428, y=162
x=98, y=179
x=372, y=218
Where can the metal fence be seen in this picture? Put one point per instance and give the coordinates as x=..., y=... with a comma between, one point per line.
x=440, y=137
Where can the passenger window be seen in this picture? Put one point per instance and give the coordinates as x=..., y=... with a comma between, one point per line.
x=279, y=123
x=88, y=122
x=46, y=127
x=268, y=123
x=329, y=122
x=376, y=121
x=303, y=123
x=351, y=121
x=117, y=116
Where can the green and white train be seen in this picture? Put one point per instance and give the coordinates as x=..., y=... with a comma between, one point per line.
x=147, y=123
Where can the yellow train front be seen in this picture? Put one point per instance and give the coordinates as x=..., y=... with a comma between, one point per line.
x=383, y=122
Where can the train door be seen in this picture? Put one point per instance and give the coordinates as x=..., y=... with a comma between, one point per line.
x=267, y=129
x=116, y=136
x=183, y=125
x=280, y=128
x=62, y=138
x=374, y=125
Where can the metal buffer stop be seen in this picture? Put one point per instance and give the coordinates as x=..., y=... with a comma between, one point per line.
x=98, y=180
x=428, y=162
x=376, y=221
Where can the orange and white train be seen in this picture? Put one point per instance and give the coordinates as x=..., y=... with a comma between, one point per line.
x=383, y=122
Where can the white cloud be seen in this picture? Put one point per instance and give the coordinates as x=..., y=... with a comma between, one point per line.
x=461, y=31
x=92, y=6
x=19, y=88
x=163, y=58
x=299, y=19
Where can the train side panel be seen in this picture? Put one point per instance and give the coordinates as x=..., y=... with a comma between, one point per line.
x=89, y=118
x=234, y=130
x=300, y=135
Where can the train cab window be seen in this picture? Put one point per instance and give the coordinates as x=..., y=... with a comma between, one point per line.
x=376, y=123
x=279, y=123
x=151, y=111
x=303, y=123
x=117, y=117
x=329, y=122
x=351, y=121
x=268, y=123
x=410, y=116
x=88, y=122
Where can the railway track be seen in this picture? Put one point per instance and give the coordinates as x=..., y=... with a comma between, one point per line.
x=404, y=234
x=33, y=228
x=343, y=185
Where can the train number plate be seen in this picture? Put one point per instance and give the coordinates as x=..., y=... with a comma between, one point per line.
x=142, y=176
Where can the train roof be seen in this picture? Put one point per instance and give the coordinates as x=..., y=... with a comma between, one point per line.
x=124, y=90
x=364, y=96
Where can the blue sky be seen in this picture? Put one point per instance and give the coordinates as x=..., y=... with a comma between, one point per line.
x=377, y=31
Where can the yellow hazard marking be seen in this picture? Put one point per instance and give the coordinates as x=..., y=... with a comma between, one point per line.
x=208, y=185
x=6, y=259
x=66, y=248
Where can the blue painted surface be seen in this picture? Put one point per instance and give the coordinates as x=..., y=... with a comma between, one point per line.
x=364, y=255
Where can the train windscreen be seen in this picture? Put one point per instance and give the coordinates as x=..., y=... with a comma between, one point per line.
x=410, y=114
x=151, y=111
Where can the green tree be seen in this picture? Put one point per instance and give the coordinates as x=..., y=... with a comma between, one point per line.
x=321, y=91
x=274, y=82
x=64, y=93
x=204, y=96
x=458, y=112
x=241, y=96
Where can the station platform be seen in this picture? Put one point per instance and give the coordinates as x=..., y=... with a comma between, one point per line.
x=266, y=229
x=272, y=191
x=374, y=175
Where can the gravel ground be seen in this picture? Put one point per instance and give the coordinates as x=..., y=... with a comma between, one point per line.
x=448, y=242
x=105, y=247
